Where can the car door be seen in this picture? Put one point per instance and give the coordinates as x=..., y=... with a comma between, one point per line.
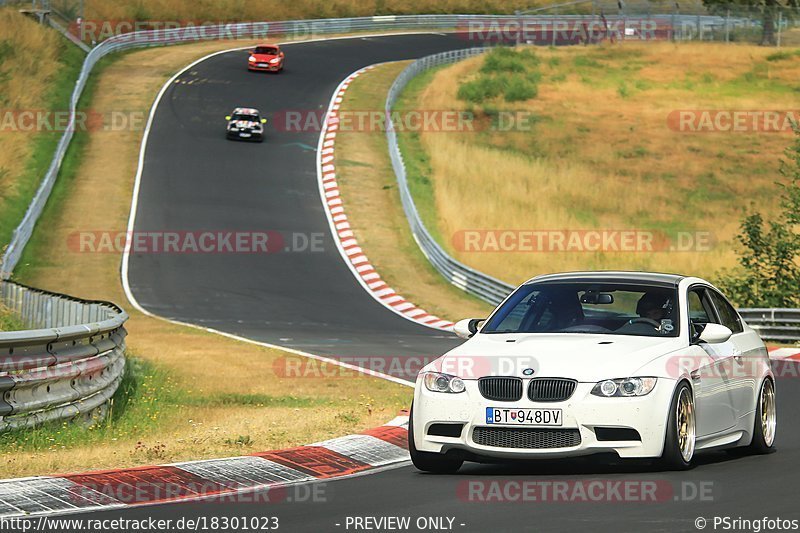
x=712, y=380
x=745, y=363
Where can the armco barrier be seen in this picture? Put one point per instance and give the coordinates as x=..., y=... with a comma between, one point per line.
x=772, y=324
x=470, y=280
x=69, y=367
x=548, y=28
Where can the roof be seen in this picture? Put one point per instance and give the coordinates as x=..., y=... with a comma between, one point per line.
x=612, y=276
x=246, y=111
x=267, y=44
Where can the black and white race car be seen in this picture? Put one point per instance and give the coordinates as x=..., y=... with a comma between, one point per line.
x=246, y=124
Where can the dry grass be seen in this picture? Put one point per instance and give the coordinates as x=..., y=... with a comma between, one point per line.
x=228, y=10
x=208, y=414
x=602, y=157
x=369, y=190
x=27, y=85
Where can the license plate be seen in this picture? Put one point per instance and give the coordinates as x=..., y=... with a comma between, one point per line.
x=244, y=135
x=524, y=417
x=262, y=65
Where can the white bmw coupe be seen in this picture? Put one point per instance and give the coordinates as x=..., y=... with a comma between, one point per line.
x=641, y=365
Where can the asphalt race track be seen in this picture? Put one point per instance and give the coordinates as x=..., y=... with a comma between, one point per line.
x=723, y=485
x=195, y=180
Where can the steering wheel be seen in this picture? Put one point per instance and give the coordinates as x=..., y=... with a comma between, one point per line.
x=644, y=320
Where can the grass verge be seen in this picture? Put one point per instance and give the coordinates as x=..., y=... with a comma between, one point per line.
x=197, y=395
x=372, y=202
x=38, y=87
x=601, y=154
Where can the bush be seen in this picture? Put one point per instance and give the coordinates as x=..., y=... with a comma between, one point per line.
x=769, y=264
x=480, y=89
x=519, y=89
x=506, y=72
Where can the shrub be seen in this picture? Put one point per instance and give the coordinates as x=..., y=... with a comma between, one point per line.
x=769, y=270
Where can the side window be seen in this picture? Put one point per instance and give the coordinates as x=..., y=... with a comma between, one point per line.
x=727, y=314
x=698, y=312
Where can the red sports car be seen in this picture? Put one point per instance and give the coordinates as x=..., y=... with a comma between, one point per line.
x=267, y=57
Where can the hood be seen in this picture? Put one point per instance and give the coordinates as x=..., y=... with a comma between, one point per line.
x=245, y=123
x=263, y=58
x=584, y=357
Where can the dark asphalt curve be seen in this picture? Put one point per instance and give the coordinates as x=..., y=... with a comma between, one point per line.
x=721, y=485
x=195, y=180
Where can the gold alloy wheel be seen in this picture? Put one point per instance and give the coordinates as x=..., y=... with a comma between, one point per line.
x=768, y=412
x=684, y=417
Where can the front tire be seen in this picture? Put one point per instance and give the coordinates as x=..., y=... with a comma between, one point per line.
x=681, y=436
x=766, y=421
x=435, y=463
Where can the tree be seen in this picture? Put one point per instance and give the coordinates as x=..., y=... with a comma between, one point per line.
x=769, y=264
x=769, y=13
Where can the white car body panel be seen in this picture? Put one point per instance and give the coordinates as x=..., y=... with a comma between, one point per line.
x=725, y=379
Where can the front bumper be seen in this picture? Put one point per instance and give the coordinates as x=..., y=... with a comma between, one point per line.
x=265, y=67
x=582, y=412
x=246, y=135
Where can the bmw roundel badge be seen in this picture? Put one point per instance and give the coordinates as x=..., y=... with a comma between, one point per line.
x=527, y=372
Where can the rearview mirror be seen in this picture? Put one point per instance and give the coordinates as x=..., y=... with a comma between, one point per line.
x=467, y=328
x=715, y=333
x=597, y=298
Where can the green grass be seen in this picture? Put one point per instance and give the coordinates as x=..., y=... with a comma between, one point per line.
x=135, y=409
x=504, y=71
x=418, y=170
x=10, y=321
x=13, y=207
x=34, y=252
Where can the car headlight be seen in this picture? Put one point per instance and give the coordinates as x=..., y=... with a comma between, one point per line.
x=252, y=59
x=624, y=387
x=233, y=128
x=275, y=60
x=436, y=382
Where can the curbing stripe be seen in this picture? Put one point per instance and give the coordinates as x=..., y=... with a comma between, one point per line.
x=345, y=240
x=209, y=479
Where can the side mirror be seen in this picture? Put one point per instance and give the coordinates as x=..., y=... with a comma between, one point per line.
x=467, y=328
x=715, y=333
x=227, y=117
x=263, y=121
x=250, y=52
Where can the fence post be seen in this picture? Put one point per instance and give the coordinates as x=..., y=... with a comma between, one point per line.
x=727, y=25
x=780, y=23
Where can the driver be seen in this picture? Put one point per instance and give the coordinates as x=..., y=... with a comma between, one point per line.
x=654, y=305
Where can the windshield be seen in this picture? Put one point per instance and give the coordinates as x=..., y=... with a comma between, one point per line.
x=604, y=308
x=247, y=118
x=266, y=51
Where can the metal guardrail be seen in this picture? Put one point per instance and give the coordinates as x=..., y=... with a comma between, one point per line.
x=468, y=279
x=771, y=324
x=68, y=368
x=774, y=324
x=549, y=29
